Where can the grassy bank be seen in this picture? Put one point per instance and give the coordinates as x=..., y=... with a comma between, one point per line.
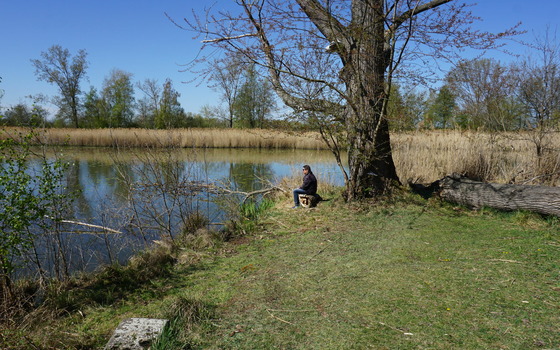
x=402, y=274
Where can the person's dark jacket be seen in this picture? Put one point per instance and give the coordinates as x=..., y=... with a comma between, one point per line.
x=309, y=183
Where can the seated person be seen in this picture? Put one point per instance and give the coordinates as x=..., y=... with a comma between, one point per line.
x=309, y=185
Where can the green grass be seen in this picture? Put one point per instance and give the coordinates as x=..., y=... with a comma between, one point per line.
x=400, y=277
x=407, y=274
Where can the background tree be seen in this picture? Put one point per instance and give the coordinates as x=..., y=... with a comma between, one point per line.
x=539, y=93
x=254, y=102
x=24, y=115
x=540, y=87
x=396, y=110
x=484, y=88
x=227, y=78
x=149, y=105
x=58, y=67
x=212, y=116
x=441, y=111
x=170, y=113
x=416, y=104
x=350, y=81
x=405, y=110
x=160, y=107
x=94, y=110
x=118, y=98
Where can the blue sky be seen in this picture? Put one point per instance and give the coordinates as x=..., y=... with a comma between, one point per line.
x=137, y=37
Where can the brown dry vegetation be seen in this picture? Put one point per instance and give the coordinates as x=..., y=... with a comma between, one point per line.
x=182, y=138
x=502, y=158
x=421, y=156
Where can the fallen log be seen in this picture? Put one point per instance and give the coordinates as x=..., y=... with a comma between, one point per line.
x=509, y=197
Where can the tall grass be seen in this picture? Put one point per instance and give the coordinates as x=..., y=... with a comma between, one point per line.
x=504, y=158
x=210, y=138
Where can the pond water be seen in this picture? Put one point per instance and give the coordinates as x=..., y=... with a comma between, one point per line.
x=145, y=194
x=97, y=174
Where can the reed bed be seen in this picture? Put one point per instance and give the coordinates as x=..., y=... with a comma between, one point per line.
x=504, y=158
x=420, y=156
x=177, y=138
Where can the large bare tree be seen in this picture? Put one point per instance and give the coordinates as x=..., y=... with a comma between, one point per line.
x=337, y=59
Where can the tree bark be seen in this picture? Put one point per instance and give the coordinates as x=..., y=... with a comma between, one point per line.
x=372, y=170
x=539, y=199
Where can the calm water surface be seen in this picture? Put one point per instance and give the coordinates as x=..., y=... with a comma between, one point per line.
x=97, y=173
x=111, y=185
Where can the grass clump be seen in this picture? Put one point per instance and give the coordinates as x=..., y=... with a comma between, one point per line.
x=195, y=221
x=188, y=318
x=250, y=214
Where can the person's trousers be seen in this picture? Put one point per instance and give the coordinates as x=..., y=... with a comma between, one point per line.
x=297, y=192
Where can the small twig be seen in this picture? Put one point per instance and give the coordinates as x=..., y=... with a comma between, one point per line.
x=279, y=222
x=394, y=328
x=538, y=177
x=278, y=318
x=508, y=261
x=227, y=38
x=279, y=310
x=324, y=248
x=30, y=342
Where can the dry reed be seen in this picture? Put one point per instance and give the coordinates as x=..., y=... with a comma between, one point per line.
x=503, y=158
x=178, y=138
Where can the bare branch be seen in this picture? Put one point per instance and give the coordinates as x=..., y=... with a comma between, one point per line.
x=415, y=11
x=331, y=28
x=217, y=40
x=104, y=228
x=296, y=103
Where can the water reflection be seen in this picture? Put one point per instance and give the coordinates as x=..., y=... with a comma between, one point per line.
x=248, y=177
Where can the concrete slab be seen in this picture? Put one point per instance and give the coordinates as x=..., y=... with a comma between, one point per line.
x=136, y=334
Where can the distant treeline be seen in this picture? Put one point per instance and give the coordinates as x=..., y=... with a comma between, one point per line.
x=479, y=94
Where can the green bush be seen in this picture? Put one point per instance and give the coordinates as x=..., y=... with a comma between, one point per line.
x=27, y=197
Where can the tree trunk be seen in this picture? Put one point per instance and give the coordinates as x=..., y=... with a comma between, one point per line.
x=74, y=111
x=539, y=199
x=372, y=169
